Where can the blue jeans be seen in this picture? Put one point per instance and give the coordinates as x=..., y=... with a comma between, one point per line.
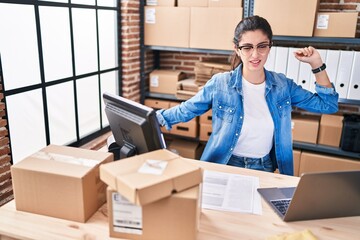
x=262, y=164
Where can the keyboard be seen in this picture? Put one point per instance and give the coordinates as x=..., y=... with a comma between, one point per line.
x=281, y=204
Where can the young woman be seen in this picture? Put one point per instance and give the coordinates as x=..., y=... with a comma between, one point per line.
x=251, y=107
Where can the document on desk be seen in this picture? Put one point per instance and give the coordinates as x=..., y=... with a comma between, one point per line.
x=231, y=192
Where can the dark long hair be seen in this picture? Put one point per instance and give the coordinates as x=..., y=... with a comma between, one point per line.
x=249, y=24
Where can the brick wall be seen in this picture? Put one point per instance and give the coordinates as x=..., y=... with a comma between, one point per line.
x=6, y=193
x=130, y=32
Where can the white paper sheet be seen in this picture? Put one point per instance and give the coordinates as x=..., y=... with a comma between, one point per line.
x=231, y=192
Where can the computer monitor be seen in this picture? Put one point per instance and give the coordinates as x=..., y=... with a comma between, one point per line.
x=134, y=126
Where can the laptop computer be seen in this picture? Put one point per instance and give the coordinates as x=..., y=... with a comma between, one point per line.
x=318, y=195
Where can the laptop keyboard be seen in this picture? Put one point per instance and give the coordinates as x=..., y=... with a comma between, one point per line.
x=281, y=204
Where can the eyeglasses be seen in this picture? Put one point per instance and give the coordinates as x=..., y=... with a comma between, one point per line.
x=261, y=48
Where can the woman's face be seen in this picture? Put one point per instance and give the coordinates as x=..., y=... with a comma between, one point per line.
x=253, y=49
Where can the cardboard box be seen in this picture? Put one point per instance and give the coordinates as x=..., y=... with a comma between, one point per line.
x=157, y=104
x=175, y=217
x=225, y=3
x=192, y=3
x=305, y=128
x=149, y=177
x=330, y=130
x=187, y=129
x=213, y=28
x=288, y=17
x=186, y=149
x=165, y=81
x=61, y=182
x=311, y=162
x=167, y=26
x=336, y=24
x=168, y=3
x=206, y=118
x=205, y=131
x=296, y=159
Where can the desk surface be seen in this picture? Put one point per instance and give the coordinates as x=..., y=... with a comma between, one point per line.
x=213, y=224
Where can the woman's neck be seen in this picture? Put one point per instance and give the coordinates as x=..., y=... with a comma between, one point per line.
x=254, y=77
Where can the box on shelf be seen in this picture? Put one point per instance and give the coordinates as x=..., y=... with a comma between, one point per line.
x=296, y=159
x=311, y=162
x=192, y=3
x=205, y=70
x=330, y=130
x=61, y=182
x=206, y=117
x=188, y=129
x=168, y=3
x=149, y=177
x=205, y=131
x=305, y=128
x=186, y=149
x=157, y=104
x=336, y=24
x=175, y=217
x=225, y=3
x=288, y=17
x=213, y=28
x=167, y=26
x=165, y=81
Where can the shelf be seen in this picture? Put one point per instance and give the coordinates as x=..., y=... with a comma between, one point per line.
x=325, y=149
x=332, y=42
x=172, y=97
x=194, y=50
x=349, y=101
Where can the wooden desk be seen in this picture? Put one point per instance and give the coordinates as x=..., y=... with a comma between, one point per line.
x=213, y=224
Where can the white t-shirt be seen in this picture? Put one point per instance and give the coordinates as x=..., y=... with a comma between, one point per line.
x=256, y=136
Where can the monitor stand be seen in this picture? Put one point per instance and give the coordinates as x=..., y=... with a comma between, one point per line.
x=127, y=150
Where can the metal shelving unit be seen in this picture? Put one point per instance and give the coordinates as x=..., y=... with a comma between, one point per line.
x=325, y=149
x=293, y=41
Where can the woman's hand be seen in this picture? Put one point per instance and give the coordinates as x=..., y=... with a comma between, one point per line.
x=309, y=55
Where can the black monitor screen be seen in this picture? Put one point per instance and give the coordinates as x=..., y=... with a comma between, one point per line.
x=134, y=126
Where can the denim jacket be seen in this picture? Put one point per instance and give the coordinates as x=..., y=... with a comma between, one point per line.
x=223, y=94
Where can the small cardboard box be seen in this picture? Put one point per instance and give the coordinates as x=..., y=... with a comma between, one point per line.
x=165, y=81
x=61, y=182
x=296, y=160
x=213, y=28
x=336, y=24
x=168, y=3
x=225, y=3
x=186, y=149
x=330, y=130
x=149, y=177
x=167, y=26
x=157, y=104
x=192, y=3
x=206, y=118
x=188, y=129
x=175, y=217
x=305, y=128
x=205, y=131
x=311, y=162
x=288, y=17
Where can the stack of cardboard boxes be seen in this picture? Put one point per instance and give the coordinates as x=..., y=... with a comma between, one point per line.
x=153, y=196
x=205, y=24
x=306, y=22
